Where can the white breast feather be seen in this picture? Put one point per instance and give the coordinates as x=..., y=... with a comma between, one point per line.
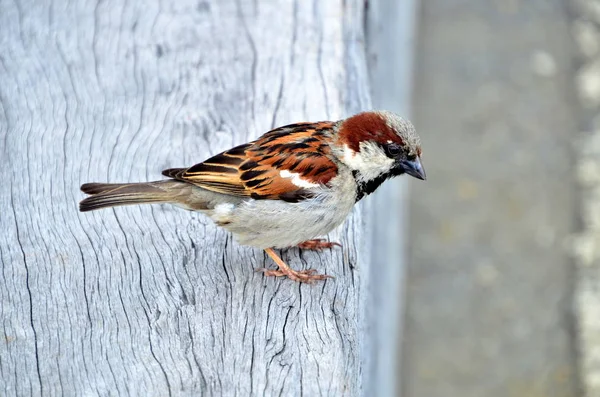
x=222, y=213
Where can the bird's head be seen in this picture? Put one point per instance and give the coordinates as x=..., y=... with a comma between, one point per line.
x=379, y=145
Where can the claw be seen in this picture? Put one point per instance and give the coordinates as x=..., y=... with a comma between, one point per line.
x=317, y=244
x=303, y=276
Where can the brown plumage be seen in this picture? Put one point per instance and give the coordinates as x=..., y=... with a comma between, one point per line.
x=287, y=187
x=254, y=169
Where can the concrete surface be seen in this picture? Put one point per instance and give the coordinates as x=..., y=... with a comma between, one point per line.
x=490, y=281
x=586, y=245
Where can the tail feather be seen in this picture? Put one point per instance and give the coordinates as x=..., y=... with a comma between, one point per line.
x=115, y=194
x=95, y=188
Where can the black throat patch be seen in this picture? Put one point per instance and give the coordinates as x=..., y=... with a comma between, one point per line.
x=368, y=187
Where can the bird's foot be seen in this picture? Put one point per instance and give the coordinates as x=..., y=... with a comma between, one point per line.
x=317, y=244
x=303, y=276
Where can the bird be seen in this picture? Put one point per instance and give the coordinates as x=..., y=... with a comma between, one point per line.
x=286, y=188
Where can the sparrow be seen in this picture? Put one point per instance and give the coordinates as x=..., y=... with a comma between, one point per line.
x=286, y=188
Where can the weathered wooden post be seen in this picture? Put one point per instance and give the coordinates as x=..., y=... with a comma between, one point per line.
x=154, y=300
x=390, y=31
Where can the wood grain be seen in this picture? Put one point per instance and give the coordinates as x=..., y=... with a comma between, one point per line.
x=390, y=31
x=154, y=300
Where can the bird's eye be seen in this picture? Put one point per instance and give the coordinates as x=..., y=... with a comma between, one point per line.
x=392, y=150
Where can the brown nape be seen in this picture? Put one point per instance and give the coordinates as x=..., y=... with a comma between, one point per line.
x=366, y=126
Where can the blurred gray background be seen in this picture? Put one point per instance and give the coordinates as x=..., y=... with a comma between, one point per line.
x=490, y=282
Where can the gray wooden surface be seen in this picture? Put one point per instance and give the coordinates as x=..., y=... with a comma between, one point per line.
x=390, y=32
x=155, y=300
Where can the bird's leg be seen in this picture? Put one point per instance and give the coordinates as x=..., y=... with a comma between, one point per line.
x=317, y=244
x=303, y=276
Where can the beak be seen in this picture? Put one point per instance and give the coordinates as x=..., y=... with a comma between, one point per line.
x=414, y=168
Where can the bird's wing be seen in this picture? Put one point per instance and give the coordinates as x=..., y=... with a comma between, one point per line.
x=287, y=163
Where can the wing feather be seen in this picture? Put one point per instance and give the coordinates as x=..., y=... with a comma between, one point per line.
x=299, y=151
